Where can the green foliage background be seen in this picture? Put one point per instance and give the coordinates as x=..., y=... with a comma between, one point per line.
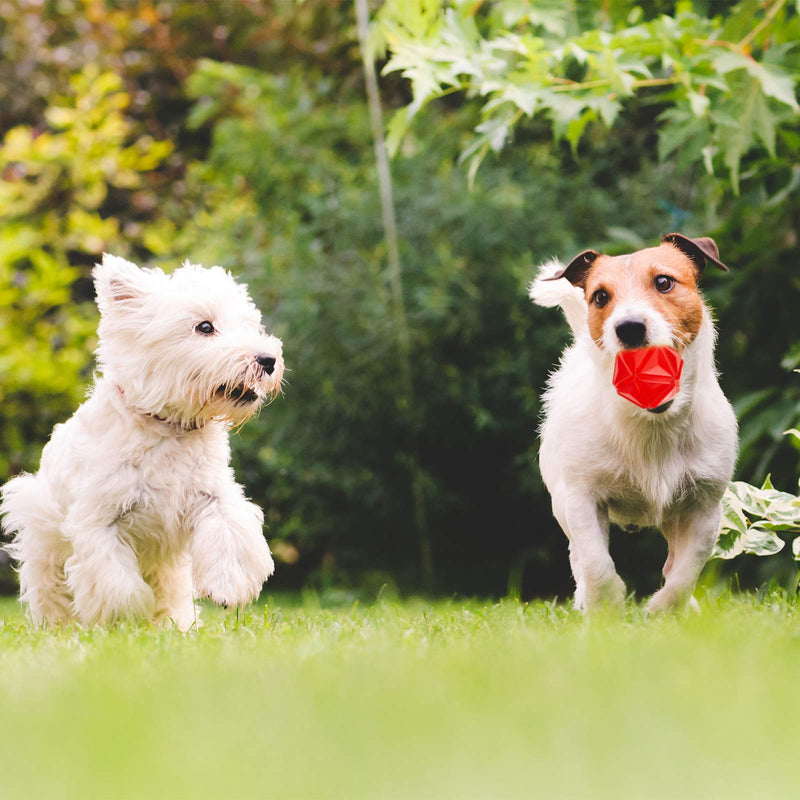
x=238, y=134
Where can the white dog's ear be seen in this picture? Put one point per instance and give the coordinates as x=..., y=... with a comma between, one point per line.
x=120, y=283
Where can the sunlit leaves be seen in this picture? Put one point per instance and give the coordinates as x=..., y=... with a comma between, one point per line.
x=724, y=98
x=55, y=181
x=772, y=80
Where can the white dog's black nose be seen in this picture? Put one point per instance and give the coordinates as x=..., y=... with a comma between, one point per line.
x=267, y=363
x=631, y=332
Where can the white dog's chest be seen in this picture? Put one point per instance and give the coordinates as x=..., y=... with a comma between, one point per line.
x=160, y=483
x=168, y=483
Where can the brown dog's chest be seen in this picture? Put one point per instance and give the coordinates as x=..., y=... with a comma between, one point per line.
x=628, y=506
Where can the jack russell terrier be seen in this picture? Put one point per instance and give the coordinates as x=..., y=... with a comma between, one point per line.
x=602, y=458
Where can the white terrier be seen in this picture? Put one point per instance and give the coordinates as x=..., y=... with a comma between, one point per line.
x=604, y=459
x=135, y=509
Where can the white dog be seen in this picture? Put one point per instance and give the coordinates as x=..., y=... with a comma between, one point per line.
x=604, y=459
x=135, y=509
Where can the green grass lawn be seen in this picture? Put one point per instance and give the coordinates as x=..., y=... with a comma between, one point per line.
x=407, y=700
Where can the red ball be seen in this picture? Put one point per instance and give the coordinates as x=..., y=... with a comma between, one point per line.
x=648, y=376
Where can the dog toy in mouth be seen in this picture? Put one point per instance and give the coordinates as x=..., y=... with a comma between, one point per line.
x=649, y=376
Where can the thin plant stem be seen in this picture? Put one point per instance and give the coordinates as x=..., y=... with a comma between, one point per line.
x=770, y=15
x=389, y=219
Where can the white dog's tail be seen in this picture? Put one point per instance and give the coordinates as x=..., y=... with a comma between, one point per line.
x=561, y=292
x=25, y=507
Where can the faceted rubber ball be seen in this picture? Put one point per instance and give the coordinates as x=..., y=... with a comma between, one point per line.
x=648, y=376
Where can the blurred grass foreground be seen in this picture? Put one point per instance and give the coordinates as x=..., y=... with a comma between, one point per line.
x=408, y=700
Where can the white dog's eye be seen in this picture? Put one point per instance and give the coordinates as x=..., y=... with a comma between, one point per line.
x=664, y=283
x=204, y=327
x=600, y=298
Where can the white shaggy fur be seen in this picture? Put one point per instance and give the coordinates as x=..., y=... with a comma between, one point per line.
x=135, y=509
x=605, y=460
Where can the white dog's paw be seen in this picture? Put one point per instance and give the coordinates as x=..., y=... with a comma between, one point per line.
x=237, y=586
x=236, y=578
x=226, y=594
x=125, y=597
x=183, y=619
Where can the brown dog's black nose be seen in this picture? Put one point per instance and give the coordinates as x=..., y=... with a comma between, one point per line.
x=631, y=332
x=267, y=363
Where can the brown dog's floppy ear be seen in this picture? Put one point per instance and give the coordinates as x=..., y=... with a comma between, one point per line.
x=575, y=271
x=700, y=250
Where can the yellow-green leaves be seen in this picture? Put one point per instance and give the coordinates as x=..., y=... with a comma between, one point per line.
x=54, y=222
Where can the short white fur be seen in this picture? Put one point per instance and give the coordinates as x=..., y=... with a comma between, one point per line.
x=605, y=460
x=135, y=510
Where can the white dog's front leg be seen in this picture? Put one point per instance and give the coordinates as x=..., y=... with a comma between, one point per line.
x=691, y=539
x=172, y=586
x=102, y=572
x=230, y=556
x=586, y=526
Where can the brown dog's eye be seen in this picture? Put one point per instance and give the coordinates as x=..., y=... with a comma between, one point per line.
x=204, y=327
x=664, y=283
x=600, y=298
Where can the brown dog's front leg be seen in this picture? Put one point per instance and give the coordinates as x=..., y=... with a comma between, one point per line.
x=691, y=538
x=597, y=583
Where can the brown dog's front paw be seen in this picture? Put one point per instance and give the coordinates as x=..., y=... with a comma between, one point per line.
x=608, y=593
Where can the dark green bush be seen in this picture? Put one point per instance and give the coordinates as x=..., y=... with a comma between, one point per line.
x=272, y=175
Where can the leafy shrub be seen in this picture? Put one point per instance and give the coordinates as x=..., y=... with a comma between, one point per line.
x=288, y=198
x=727, y=80
x=752, y=518
x=281, y=189
x=56, y=184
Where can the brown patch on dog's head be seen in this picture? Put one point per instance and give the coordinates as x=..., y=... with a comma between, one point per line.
x=664, y=278
x=603, y=287
x=681, y=305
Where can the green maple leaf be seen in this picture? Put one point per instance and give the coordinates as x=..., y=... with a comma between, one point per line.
x=746, y=121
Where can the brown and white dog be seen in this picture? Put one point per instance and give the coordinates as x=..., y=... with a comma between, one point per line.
x=602, y=458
